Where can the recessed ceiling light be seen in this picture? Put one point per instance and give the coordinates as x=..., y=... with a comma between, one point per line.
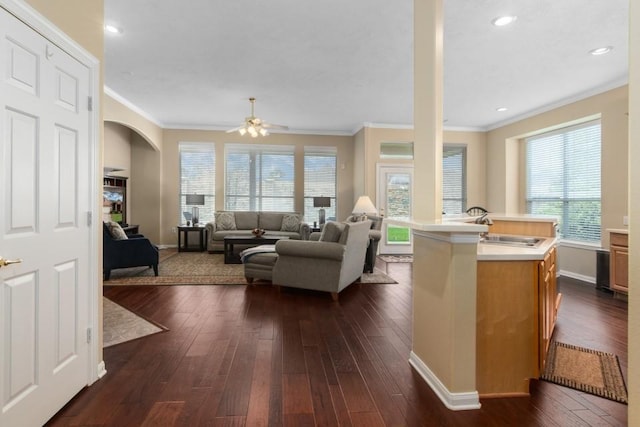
x=601, y=50
x=110, y=28
x=501, y=21
x=501, y=109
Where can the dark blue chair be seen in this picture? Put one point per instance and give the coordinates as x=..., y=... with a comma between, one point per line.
x=136, y=251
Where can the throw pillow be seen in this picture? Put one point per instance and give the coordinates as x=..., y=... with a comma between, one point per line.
x=331, y=231
x=290, y=222
x=116, y=231
x=225, y=221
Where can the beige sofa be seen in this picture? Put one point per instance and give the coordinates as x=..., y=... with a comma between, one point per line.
x=230, y=223
x=330, y=264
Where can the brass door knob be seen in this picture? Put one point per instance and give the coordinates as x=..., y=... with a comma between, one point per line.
x=4, y=262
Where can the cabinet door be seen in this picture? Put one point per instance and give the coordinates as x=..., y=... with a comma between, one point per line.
x=548, y=303
x=619, y=274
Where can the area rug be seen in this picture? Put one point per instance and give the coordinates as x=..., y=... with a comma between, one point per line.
x=396, y=258
x=121, y=325
x=200, y=268
x=587, y=370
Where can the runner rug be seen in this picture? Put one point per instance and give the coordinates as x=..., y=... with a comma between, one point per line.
x=587, y=370
x=200, y=268
x=121, y=325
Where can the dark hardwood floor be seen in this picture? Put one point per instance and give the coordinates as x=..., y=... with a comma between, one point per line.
x=254, y=356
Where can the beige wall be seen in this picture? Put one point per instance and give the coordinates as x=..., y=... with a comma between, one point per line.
x=170, y=169
x=145, y=191
x=115, y=111
x=81, y=20
x=117, y=148
x=359, y=164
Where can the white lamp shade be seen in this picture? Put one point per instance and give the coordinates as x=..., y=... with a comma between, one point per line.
x=364, y=206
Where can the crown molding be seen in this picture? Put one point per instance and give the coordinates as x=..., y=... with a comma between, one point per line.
x=124, y=101
x=566, y=101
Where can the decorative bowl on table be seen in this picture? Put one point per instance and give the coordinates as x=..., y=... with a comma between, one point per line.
x=258, y=232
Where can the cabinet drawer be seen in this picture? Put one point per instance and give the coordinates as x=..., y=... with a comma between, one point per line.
x=619, y=239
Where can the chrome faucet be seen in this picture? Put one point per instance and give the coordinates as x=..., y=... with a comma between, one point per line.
x=484, y=219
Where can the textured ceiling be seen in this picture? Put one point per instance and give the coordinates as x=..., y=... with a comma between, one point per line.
x=334, y=65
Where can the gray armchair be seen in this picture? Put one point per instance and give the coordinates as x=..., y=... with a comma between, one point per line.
x=330, y=264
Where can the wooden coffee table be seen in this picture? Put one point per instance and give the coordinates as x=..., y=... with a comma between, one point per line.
x=249, y=241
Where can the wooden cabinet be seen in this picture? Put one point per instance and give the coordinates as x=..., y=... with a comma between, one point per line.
x=549, y=302
x=516, y=314
x=114, y=192
x=619, y=262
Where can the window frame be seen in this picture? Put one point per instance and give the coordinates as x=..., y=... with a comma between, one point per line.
x=207, y=211
x=463, y=179
x=565, y=234
x=311, y=215
x=256, y=193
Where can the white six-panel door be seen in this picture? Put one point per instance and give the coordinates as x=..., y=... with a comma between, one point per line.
x=45, y=180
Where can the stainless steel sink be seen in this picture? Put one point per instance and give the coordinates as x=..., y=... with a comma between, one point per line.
x=508, y=240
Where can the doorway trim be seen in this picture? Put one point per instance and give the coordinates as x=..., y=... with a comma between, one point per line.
x=44, y=27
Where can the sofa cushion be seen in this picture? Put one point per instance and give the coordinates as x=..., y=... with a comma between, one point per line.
x=116, y=231
x=225, y=221
x=246, y=220
x=271, y=220
x=290, y=222
x=331, y=232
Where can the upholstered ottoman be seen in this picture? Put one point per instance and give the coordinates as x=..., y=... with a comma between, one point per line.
x=260, y=266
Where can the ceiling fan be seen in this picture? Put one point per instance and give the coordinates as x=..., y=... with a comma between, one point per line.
x=255, y=126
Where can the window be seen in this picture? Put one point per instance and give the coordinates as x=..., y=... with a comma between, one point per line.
x=454, y=179
x=396, y=150
x=319, y=180
x=259, y=178
x=198, y=176
x=563, y=179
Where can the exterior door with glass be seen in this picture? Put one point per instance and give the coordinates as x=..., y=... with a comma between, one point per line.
x=395, y=193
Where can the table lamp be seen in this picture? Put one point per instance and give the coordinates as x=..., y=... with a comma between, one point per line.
x=364, y=206
x=321, y=202
x=195, y=200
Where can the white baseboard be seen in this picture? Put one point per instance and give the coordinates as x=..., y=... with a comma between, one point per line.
x=102, y=369
x=453, y=401
x=577, y=276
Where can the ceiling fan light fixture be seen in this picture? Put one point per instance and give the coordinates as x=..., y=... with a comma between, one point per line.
x=255, y=126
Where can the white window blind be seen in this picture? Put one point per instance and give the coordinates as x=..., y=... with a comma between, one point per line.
x=259, y=178
x=454, y=188
x=197, y=176
x=319, y=180
x=563, y=179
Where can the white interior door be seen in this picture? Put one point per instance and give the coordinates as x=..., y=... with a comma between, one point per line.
x=45, y=200
x=395, y=194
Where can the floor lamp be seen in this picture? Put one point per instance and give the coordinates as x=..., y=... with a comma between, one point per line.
x=195, y=200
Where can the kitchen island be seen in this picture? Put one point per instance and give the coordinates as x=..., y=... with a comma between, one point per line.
x=517, y=306
x=481, y=310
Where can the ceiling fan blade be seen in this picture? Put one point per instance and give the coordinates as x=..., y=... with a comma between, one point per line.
x=274, y=126
x=235, y=129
